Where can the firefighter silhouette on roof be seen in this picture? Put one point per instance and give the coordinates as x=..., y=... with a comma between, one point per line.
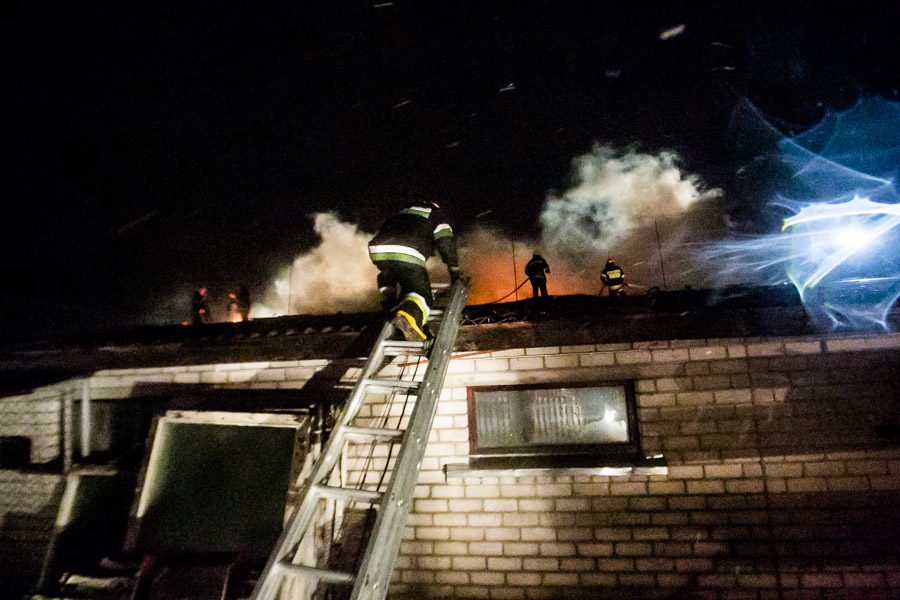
x=238, y=305
x=200, y=307
x=613, y=278
x=399, y=250
x=536, y=270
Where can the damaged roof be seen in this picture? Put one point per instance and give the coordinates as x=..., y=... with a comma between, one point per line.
x=561, y=320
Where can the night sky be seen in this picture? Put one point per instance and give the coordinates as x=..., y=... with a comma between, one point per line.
x=155, y=149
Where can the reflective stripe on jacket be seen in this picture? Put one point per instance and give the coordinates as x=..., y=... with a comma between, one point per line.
x=412, y=235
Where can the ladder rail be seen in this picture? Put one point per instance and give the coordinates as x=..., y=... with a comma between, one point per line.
x=381, y=551
x=303, y=513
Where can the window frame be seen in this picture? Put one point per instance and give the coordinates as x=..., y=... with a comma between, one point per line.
x=556, y=455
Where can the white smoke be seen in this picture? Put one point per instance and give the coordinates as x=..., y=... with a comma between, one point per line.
x=335, y=276
x=617, y=193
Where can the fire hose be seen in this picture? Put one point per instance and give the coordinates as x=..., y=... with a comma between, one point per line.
x=509, y=294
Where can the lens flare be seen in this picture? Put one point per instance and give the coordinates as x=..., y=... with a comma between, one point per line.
x=840, y=246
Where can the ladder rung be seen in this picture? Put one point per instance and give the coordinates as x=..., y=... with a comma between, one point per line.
x=323, y=575
x=402, y=344
x=395, y=348
x=391, y=384
x=366, y=434
x=440, y=286
x=340, y=493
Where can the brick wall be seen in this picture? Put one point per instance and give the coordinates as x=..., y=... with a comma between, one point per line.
x=775, y=476
x=775, y=479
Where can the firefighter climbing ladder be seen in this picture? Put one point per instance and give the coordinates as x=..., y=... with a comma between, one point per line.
x=370, y=578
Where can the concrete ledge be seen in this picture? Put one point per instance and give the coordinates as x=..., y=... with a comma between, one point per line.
x=652, y=465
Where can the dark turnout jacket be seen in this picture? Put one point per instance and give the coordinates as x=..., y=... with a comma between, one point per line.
x=537, y=267
x=412, y=235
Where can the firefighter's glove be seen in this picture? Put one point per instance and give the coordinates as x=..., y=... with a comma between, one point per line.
x=456, y=274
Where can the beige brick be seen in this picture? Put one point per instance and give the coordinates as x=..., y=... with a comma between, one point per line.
x=431, y=506
x=648, y=400
x=481, y=491
x=520, y=519
x=502, y=534
x=538, y=534
x=594, y=488
x=808, y=484
x=561, y=361
x=615, y=564
x=705, y=487
x=504, y=563
x=673, y=384
x=645, y=386
x=486, y=548
x=694, y=398
x=432, y=533
x=466, y=506
x=765, y=349
x=550, y=489
x=627, y=488
x=573, y=534
x=689, y=565
x=540, y=564
x=520, y=548
x=449, y=519
x=517, y=491
x=821, y=580
x=757, y=580
x=745, y=486
x=465, y=533
x=870, y=467
x=560, y=579
x=523, y=578
x=733, y=396
x=708, y=353
x=544, y=504
x=501, y=505
x=630, y=357
x=597, y=359
x=573, y=504
x=451, y=577
x=849, y=484
x=663, y=356
x=557, y=549
x=803, y=347
x=576, y=564
x=632, y=549
x=485, y=578
x=470, y=563
x=783, y=470
x=654, y=564
x=492, y=365
x=612, y=533
x=726, y=471
x=577, y=349
x=595, y=549
x=685, y=472
x=672, y=580
x=650, y=533
x=525, y=364
x=599, y=579
x=845, y=344
x=666, y=487
x=433, y=563
x=485, y=520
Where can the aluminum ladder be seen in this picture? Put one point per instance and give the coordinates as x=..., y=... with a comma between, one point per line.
x=288, y=573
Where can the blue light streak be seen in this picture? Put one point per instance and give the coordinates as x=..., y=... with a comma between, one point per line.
x=840, y=244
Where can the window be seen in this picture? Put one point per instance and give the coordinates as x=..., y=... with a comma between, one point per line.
x=542, y=426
